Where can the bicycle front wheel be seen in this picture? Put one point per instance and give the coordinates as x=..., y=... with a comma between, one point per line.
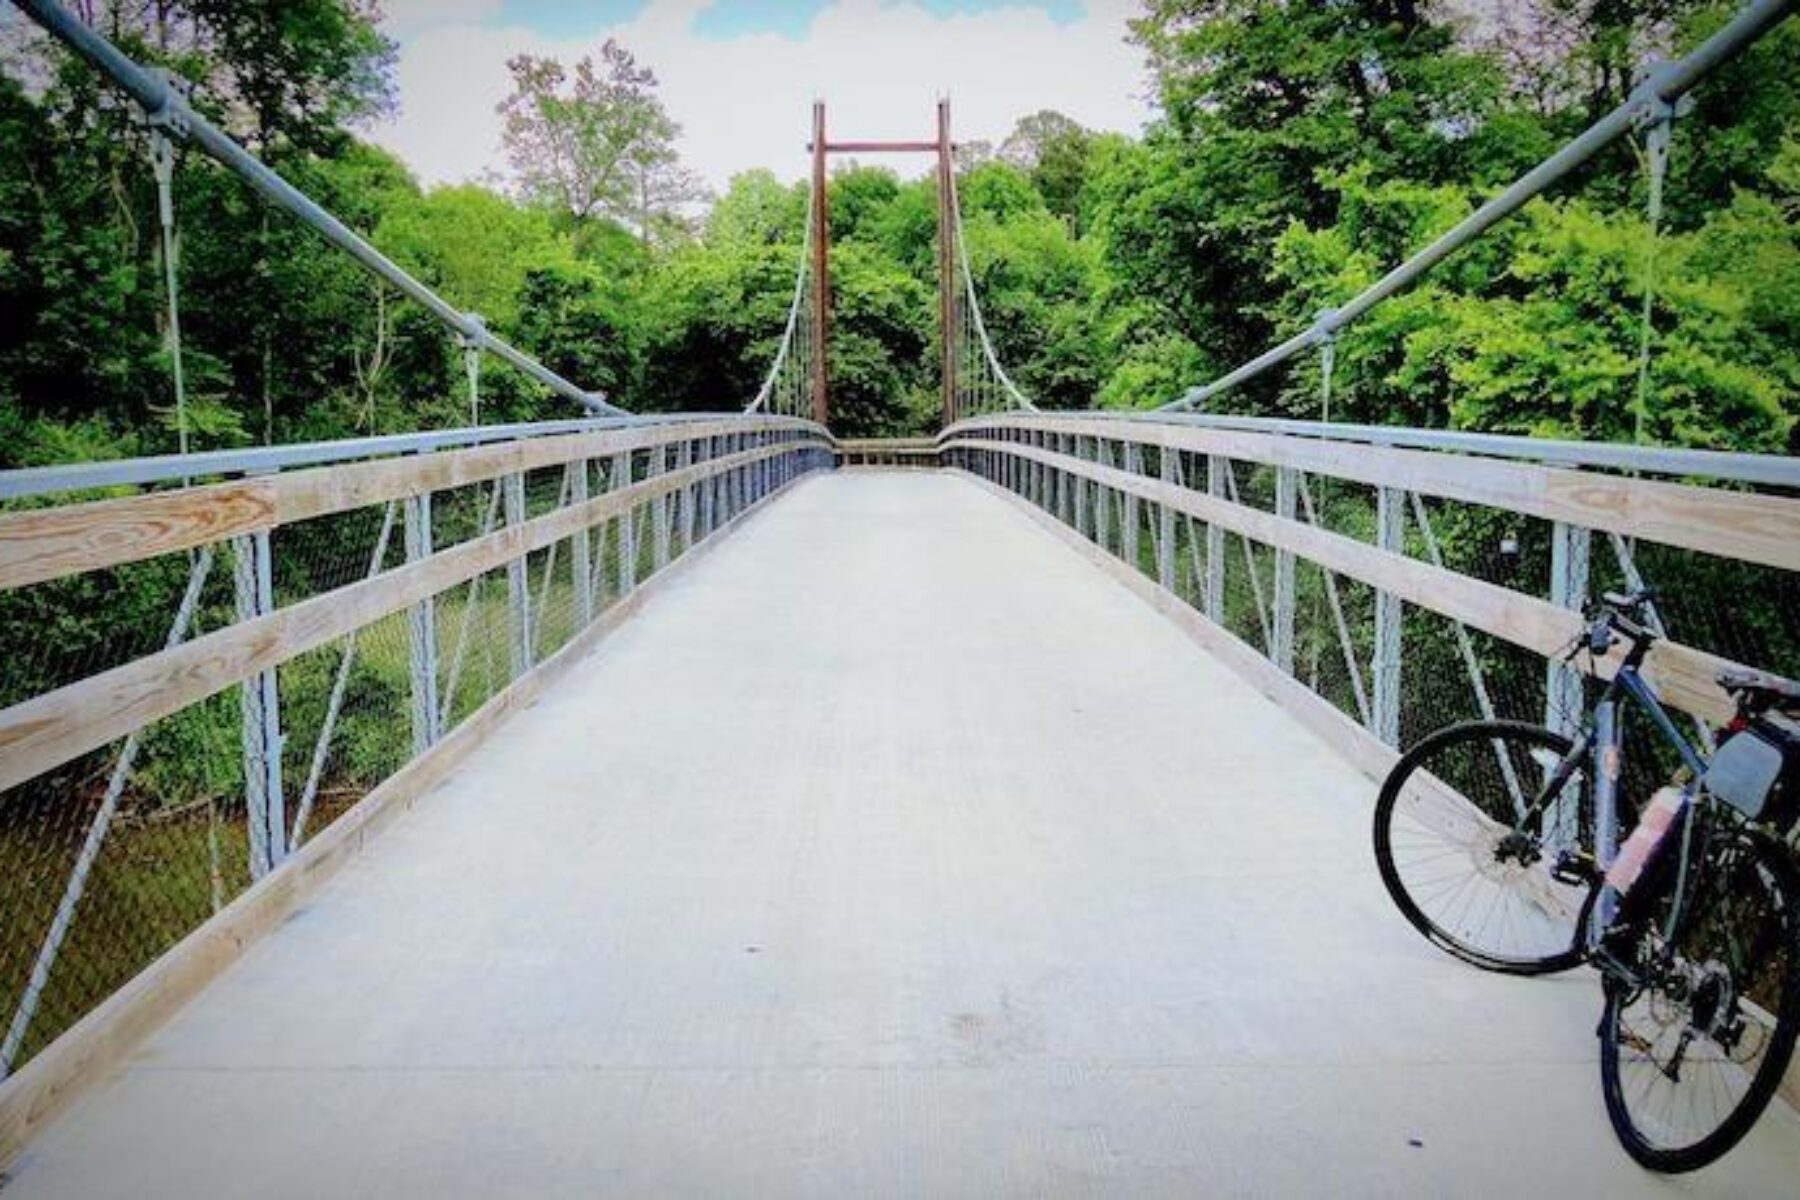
x=1466, y=839
x=1692, y=1052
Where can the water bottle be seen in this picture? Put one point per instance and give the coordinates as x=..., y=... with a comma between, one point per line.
x=1649, y=843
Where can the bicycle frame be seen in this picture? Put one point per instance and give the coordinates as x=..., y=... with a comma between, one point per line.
x=1602, y=742
x=1606, y=741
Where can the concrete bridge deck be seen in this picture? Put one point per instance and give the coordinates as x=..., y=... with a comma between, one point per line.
x=894, y=850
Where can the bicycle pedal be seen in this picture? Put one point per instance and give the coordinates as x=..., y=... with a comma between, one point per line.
x=1575, y=868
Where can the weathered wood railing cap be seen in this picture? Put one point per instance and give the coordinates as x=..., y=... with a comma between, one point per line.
x=1770, y=470
x=215, y=464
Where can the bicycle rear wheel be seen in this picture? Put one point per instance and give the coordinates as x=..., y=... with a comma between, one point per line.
x=1691, y=1056
x=1466, y=849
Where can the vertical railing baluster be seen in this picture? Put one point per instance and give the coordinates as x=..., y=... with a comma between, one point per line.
x=581, y=548
x=1132, y=463
x=1281, y=648
x=1215, y=543
x=620, y=477
x=659, y=511
x=709, y=489
x=1081, y=485
x=253, y=578
x=1165, y=519
x=1102, y=498
x=686, y=456
x=518, y=585
x=421, y=630
x=1569, y=560
x=1390, y=535
x=1062, y=483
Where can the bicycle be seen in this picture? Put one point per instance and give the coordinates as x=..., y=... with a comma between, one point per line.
x=1499, y=841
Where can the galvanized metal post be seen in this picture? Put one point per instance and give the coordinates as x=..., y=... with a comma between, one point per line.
x=1062, y=483
x=659, y=512
x=620, y=477
x=581, y=548
x=743, y=477
x=1079, y=485
x=518, y=587
x=1570, y=547
x=727, y=503
x=708, y=488
x=260, y=709
x=1215, y=543
x=1034, y=470
x=421, y=630
x=1045, y=475
x=688, y=495
x=1133, y=464
x=1165, y=521
x=1102, y=498
x=1281, y=648
x=1390, y=534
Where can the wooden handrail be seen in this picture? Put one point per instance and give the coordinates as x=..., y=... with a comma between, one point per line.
x=42, y=733
x=39, y=545
x=1753, y=527
x=1683, y=674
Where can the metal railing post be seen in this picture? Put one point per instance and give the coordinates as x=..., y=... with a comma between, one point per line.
x=1102, y=498
x=1063, y=508
x=581, y=548
x=1042, y=496
x=620, y=477
x=1132, y=463
x=1569, y=559
x=1282, y=643
x=1215, y=543
x=421, y=630
x=1080, y=487
x=688, y=497
x=1165, y=522
x=518, y=585
x=704, y=454
x=659, y=511
x=1390, y=535
x=260, y=709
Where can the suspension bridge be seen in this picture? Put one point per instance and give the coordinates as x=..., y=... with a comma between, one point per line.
x=738, y=812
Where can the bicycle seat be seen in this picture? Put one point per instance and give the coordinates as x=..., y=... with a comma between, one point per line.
x=1758, y=690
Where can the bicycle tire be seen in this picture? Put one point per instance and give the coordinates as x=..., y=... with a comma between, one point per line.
x=1550, y=912
x=1763, y=970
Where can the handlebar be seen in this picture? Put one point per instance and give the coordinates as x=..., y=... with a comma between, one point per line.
x=1615, y=615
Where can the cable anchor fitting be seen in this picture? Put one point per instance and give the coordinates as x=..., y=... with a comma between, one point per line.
x=1322, y=332
x=1654, y=114
x=172, y=118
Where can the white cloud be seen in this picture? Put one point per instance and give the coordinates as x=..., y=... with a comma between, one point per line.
x=746, y=102
x=405, y=18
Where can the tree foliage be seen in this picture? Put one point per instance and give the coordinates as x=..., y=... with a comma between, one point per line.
x=604, y=146
x=1302, y=148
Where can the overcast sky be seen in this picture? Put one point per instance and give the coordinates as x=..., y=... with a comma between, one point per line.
x=740, y=75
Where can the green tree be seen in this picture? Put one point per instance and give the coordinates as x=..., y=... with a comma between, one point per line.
x=601, y=146
x=1054, y=150
x=1260, y=98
